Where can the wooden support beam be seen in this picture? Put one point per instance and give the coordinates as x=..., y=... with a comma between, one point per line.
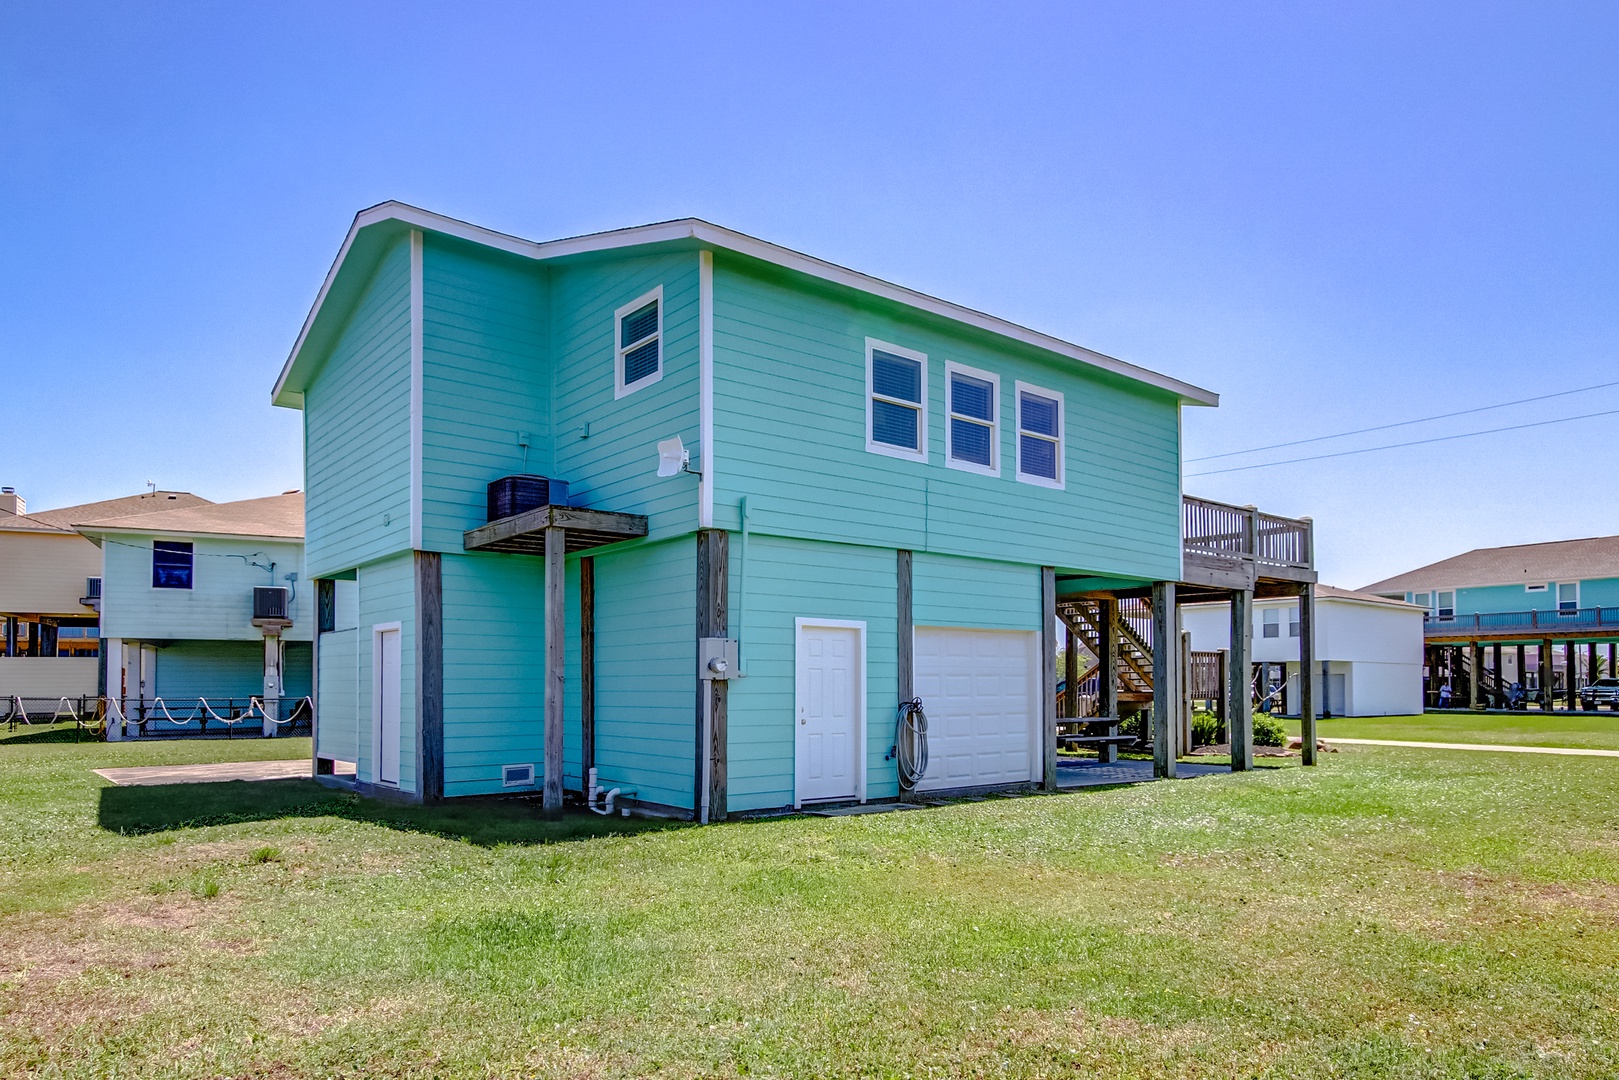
x=1165, y=673
x=905, y=626
x=1571, y=674
x=1495, y=662
x=1545, y=675
x=587, y=667
x=1048, y=677
x=1523, y=669
x=1239, y=700
x=1183, y=711
x=1107, y=674
x=1307, y=733
x=1070, y=673
x=1475, y=661
x=429, y=676
x=713, y=620
x=556, y=546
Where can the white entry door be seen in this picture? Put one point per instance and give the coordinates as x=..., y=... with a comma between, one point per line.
x=831, y=696
x=387, y=706
x=980, y=690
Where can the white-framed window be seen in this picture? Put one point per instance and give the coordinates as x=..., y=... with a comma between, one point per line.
x=1539, y=587
x=1421, y=599
x=1568, y=596
x=638, y=343
x=1271, y=622
x=896, y=401
x=972, y=404
x=1039, y=436
x=1444, y=604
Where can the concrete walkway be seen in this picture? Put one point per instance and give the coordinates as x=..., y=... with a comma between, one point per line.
x=1572, y=751
x=1088, y=772
x=150, y=775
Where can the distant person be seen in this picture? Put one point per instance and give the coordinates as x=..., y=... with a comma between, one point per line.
x=1444, y=696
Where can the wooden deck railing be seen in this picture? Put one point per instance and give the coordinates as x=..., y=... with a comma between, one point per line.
x=1245, y=533
x=1507, y=622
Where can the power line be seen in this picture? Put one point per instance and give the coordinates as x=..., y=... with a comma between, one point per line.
x=1401, y=423
x=1413, y=442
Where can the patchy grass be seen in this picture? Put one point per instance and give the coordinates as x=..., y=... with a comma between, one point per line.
x=1389, y=914
x=1518, y=729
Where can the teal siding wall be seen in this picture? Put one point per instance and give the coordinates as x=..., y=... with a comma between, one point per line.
x=340, y=728
x=1491, y=599
x=494, y=673
x=614, y=467
x=646, y=670
x=790, y=415
x=357, y=429
x=211, y=669
x=388, y=594
x=298, y=669
x=1599, y=592
x=784, y=580
x=485, y=379
x=977, y=593
x=218, y=606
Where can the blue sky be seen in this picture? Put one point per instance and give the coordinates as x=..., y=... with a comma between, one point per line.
x=1334, y=215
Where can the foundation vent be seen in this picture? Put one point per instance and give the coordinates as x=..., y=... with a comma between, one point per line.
x=517, y=776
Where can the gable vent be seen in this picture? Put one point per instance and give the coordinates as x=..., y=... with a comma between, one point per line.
x=517, y=776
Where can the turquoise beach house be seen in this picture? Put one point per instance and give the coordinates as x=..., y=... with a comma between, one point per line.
x=786, y=497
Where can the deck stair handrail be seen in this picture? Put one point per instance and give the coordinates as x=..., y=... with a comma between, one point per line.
x=1505, y=621
x=1245, y=533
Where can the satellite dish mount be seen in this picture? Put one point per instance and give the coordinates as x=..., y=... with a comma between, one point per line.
x=674, y=458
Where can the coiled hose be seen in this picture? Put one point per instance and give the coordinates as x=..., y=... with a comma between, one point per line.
x=911, y=743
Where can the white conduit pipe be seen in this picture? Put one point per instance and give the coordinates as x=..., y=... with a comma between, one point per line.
x=606, y=808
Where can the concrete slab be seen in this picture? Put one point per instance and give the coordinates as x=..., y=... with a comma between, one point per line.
x=1092, y=773
x=213, y=773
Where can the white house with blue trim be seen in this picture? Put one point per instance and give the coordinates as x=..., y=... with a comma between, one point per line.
x=875, y=495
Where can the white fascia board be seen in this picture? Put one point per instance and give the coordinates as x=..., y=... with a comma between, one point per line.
x=705, y=233
x=92, y=534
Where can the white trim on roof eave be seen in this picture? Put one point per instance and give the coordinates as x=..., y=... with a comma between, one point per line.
x=741, y=243
x=92, y=531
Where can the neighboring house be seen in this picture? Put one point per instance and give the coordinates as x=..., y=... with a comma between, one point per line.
x=205, y=602
x=50, y=589
x=1511, y=614
x=876, y=495
x=1369, y=647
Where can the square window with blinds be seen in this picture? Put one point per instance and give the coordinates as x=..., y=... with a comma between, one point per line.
x=896, y=401
x=1039, y=436
x=638, y=332
x=974, y=440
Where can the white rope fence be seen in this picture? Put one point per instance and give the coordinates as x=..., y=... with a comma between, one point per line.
x=203, y=711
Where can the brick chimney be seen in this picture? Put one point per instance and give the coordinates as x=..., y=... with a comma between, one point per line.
x=11, y=502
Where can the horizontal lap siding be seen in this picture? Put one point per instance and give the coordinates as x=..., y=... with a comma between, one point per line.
x=614, y=468
x=223, y=669
x=388, y=594
x=298, y=669
x=975, y=593
x=485, y=379
x=357, y=429
x=219, y=604
x=494, y=676
x=646, y=670
x=790, y=415
x=784, y=580
x=338, y=724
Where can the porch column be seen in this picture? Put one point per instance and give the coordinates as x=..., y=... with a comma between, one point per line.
x=556, y=541
x=1522, y=678
x=1239, y=708
x=1165, y=674
x=1571, y=673
x=1475, y=661
x=1307, y=735
x=713, y=621
x=1048, y=677
x=1070, y=674
x=1545, y=674
x=1495, y=663
x=1107, y=674
x=271, y=697
x=429, y=680
x=113, y=658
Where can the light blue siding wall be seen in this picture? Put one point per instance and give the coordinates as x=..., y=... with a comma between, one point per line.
x=298, y=669
x=1493, y=599
x=211, y=669
x=388, y=594
x=494, y=673
x=784, y=580
x=646, y=670
x=614, y=467
x=790, y=419
x=1599, y=592
x=976, y=593
x=218, y=606
x=357, y=429
x=485, y=380
x=340, y=730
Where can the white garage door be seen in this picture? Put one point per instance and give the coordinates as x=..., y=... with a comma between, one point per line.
x=980, y=689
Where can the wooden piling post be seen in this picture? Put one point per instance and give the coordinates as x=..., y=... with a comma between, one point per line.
x=1307, y=734
x=1545, y=674
x=1475, y=661
x=1165, y=673
x=556, y=546
x=1107, y=674
x=1048, y=676
x=1239, y=708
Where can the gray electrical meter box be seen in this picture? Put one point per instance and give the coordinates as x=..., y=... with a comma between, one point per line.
x=717, y=657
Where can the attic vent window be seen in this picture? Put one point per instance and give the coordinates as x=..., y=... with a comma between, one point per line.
x=1039, y=436
x=638, y=332
x=974, y=431
x=896, y=401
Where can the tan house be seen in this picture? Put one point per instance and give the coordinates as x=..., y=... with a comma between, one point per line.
x=50, y=594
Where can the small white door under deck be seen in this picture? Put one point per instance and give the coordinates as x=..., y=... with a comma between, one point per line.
x=830, y=721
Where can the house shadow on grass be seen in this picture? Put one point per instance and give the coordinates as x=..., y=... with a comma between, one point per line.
x=138, y=810
x=65, y=733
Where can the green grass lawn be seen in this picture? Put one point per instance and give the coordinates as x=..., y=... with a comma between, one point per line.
x=1389, y=914
x=1522, y=729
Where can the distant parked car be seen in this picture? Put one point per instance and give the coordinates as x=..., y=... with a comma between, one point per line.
x=1600, y=693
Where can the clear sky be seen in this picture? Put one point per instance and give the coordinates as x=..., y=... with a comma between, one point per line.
x=1335, y=215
